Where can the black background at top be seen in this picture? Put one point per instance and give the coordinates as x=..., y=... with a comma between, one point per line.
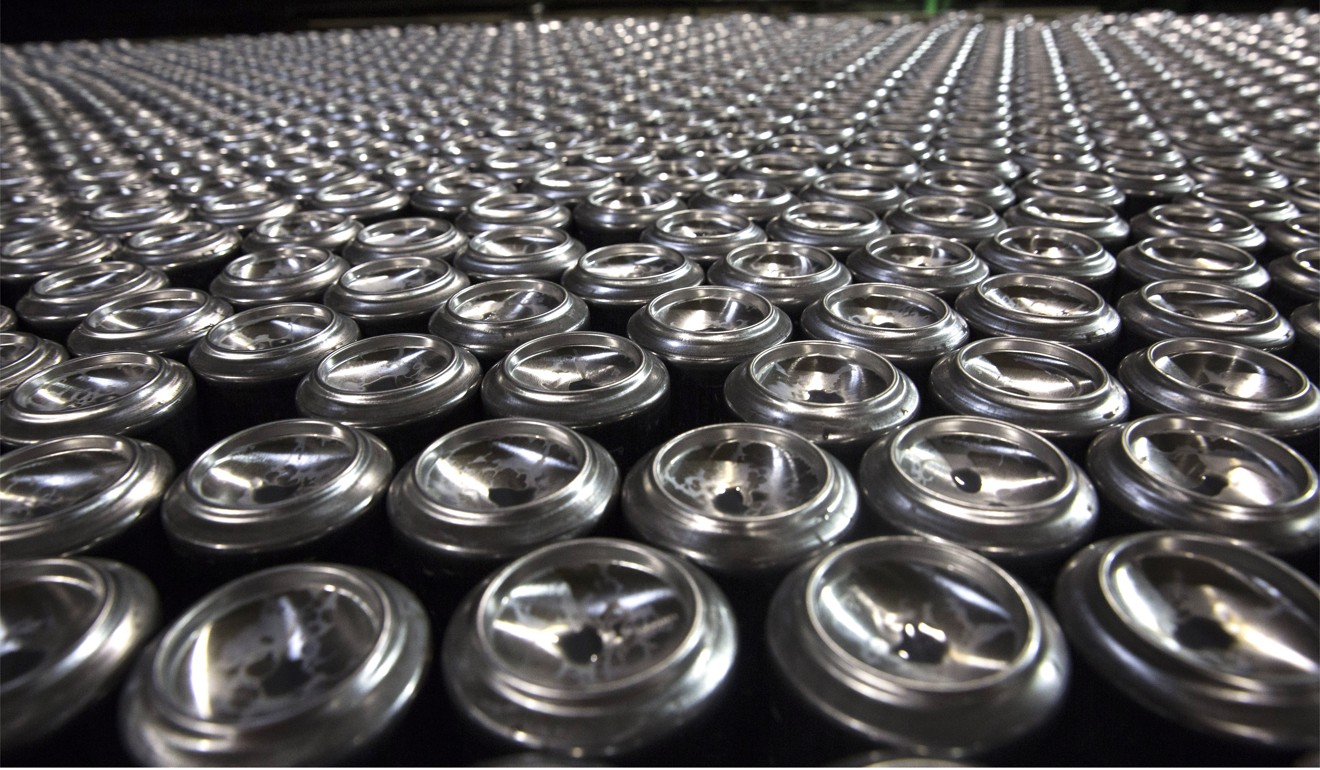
x=31, y=20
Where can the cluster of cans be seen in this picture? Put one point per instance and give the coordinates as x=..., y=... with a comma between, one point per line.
x=717, y=390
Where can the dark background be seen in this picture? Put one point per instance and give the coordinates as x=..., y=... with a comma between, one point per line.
x=29, y=20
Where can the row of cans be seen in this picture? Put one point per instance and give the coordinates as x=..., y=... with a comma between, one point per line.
x=725, y=391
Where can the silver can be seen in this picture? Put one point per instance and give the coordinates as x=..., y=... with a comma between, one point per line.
x=1305, y=321
x=494, y=490
x=621, y=214
x=1180, y=308
x=568, y=185
x=1264, y=207
x=405, y=389
x=397, y=294
x=1170, y=257
x=939, y=265
x=792, y=170
x=839, y=228
x=616, y=281
x=8, y=321
x=491, y=319
x=449, y=195
x=1295, y=278
x=165, y=321
x=1199, y=221
x=1176, y=622
x=316, y=229
x=1294, y=234
x=682, y=176
x=243, y=210
x=141, y=395
x=37, y=255
x=892, y=660
x=1084, y=216
x=126, y=216
x=1047, y=307
x=1071, y=182
x=741, y=500
x=963, y=220
x=1051, y=251
x=407, y=237
x=366, y=200
x=701, y=235
x=591, y=647
x=992, y=486
x=190, y=253
x=56, y=304
x=522, y=251
x=275, y=489
x=909, y=327
x=278, y=274
x=505, y=210
x=757, y=199
x=870, y=191
x=72, y=630
x=1055, y=390
x=791, y=275
x=1227, y=381
x=297, y=664
x=706, y=331
x=841, y=397
x=79, y=494
x=979, y=186
x=1147, y=183
x=1199, y=474
x=23, y=355
x=607, y=387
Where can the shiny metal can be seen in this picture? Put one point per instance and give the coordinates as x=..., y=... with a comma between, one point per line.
x=1047, y=307
x=1083, y=216
x=791, y=275
x=841, y=397
x=1055, y=390
x=243, y=210
x=980, y=186
x=28, y=259
x=504, y=210
x=406, y=237
x=190, y=253
x=964, y=220
x=490, y=319
x=278, y=274
x=1051, y=251
x=449, y=195
x=1181, y=308
x=489, y=492
x=839, y=228
x=1180, y=472
x=702, y=235
x=406, y=389
x=23, y=355
x=1199, y=221
x=366, y=200
x=741, y=500
x=1305, y=321
x=127, y=216
x=1261, y=206
x=939, y=265
x=57, y=303
x=988, y=485
x=909, y=327
x=621, y=214
x=73, y=628
x=682, y=176
x=165, y=321
x=608, y=388
x=280, y=491
x=296, y=664
x=316, y=229
x=757, y=199
x=140, y=395
x=1295, y=278
x=397, y=294
x=870, y=191
x=1177, y=257
x=883, y=664
x=249, y=365
x=894, y=164
x=8, y=321
x=1293, y=234
x=568, y=185
x=519, y=251
x=616, y=281
x=82, y=494
x=1147, y=183
x=1156, y=614
x=591, y=647
x=1227, y=381
x=1073, y=183
x=792, y=170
